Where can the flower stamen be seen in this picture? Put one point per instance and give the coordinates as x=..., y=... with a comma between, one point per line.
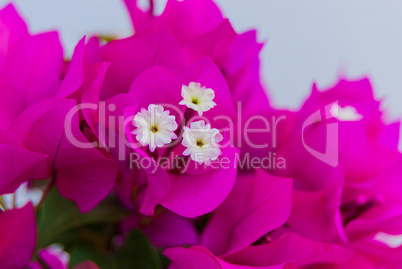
x=200, y=144
x=154, y=129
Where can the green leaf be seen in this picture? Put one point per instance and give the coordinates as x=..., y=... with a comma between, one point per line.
x=88, y=236
x=83, y=253
x=58, y=215
x=137, y=252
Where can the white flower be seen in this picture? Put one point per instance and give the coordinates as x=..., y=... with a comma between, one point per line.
x=154, y=127
x=201, y=142
x=197, y=97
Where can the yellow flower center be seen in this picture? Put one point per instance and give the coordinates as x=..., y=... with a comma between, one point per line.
x=200, y=143
x=154, y=129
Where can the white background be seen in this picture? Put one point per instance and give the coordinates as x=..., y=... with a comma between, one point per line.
x=310, y=40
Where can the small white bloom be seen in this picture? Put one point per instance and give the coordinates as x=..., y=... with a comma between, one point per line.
x=155, y=127
x=348, y=113
x=197, y=97
x=201, y=142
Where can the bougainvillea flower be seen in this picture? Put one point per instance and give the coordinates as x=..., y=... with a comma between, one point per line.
x=83, y=175
x=159, y=45
x=207, y=187
x=323, y=138
x=360, y=193
x=155, y=184
x=236, y=55
x=18, y=237
x=366, y=145
x=198, y=257
x=104, y=85
x=30, y=66
x=160, y=119
x=207, y=33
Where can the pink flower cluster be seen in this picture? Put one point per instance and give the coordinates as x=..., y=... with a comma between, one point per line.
x=315, y=188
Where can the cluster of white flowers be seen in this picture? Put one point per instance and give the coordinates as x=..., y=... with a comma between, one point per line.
x=155, y=127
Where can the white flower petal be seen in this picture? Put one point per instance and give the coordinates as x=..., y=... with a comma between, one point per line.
x=201, y=142
x=197, y=97
x=154, y=127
